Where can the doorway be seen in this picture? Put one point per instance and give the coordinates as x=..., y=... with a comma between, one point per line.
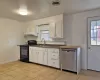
x=94, y=43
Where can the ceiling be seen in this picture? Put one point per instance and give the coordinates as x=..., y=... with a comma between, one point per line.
x=44, y=8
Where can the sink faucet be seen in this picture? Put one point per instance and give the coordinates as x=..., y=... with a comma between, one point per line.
x=43, y=41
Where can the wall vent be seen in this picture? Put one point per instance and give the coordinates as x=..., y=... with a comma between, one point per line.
x=56, y=2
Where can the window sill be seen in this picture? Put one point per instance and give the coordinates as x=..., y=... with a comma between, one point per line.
x=51, y=42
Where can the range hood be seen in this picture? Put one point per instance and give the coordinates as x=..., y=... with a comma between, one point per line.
x=31, y=31
x=31, y=34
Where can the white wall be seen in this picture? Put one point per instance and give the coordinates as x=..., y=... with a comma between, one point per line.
x=76, y=31
x=26, y=25
x=47, y=20
x=11, y=34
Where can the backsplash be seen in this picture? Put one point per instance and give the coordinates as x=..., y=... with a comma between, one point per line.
x=55, y=41
x=29, y=37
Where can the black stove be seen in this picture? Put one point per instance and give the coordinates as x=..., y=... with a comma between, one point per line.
x=24, y=50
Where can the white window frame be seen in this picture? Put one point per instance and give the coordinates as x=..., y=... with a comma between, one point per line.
x=96, y=37
x=44, y=28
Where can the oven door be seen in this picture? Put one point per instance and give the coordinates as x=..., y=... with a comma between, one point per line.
x=24, y=53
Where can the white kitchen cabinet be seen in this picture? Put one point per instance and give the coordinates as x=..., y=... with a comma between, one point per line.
x=56, y=29
x=33, y=54
x=52, y=30
x=40, y=56
x=53, y=57
x=30, y=54
x=59, y=29
x=31, y=29
x=55, y=63
x=45, y=57
x=49, y=57
x=36, y=55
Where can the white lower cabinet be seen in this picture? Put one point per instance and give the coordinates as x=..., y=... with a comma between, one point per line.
x=53, y=58
x=49, y=58
x=45, y=56
x=55, y=63
x=40, y=56
x=33, y=54
x=30, y=54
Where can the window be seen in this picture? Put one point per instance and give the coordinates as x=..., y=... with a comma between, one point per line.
x=95, y=32
x=45, y=35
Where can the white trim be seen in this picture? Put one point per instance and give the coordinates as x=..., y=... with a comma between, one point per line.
x=53, y=42
x=88, y=25
x=44, y=27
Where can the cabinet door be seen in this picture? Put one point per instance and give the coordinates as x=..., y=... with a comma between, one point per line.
x=35, y=56
x=45, y=59
x=40, y=57
x=49, y=57
x=50, y=51
x=55, y=63
x=30, y=54
x=59, y=29
x=53, y=57
x=31, y=29
x=52, y=30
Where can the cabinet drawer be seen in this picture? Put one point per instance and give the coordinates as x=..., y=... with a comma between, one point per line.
x=33, y=48
x=55, y=50
x=54, y=56
x=55, y=63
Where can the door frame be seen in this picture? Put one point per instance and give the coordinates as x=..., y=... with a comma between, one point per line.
x=88, y=24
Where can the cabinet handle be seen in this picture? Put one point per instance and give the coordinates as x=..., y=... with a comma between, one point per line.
x=53, y=59
x=37, y=52
x=53, y=62
x=55, y=30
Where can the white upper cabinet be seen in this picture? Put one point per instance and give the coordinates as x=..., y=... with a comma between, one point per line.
x=59, y=29
x=31, y=29
x=52, y=29
x=56, y=27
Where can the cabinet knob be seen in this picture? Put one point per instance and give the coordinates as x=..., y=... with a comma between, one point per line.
x=89, y=47
x=53, y=62
x=53, y=59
